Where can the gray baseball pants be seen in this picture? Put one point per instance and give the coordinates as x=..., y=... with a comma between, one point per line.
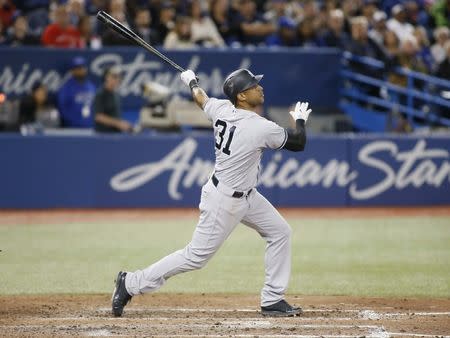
x=220, y=213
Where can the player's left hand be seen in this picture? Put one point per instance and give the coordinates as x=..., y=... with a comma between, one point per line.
x=187, y=76
x=301, y=111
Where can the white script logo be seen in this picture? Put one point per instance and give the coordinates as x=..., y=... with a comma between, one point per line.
x=135, y=73
x=415, y=168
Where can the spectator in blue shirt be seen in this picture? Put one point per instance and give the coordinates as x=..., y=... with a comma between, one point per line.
x=286, y=35
x=251, y=27
x=76, y=96
x=307, y=34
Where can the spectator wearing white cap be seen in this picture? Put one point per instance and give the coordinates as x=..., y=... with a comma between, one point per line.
x=408, y=58
x=443, y=69
x=335, y=36
x=441, y=35
x=376, y=33
x=361, y=44
x=398, y=24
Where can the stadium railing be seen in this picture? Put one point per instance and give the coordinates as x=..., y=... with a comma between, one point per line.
x=371, y=100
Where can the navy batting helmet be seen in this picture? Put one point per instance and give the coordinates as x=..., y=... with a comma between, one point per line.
x=238, y=81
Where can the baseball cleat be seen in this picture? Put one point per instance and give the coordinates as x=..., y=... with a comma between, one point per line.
x=280, y=309
x=120, y=296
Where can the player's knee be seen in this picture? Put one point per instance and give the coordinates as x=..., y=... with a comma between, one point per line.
x=285, y=231
x=197, y=258
x=200, y=261
x=282, y=233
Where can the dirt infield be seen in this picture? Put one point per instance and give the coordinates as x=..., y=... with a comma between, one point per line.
x=181, y=315
x=217, y=315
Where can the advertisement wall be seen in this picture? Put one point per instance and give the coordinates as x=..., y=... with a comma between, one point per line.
x=289, y=74
x=168, y=170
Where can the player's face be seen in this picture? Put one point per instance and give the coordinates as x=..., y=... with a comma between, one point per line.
x=255, y=96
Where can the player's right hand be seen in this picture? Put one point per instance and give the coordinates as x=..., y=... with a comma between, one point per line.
x=301, y=111
x=187, y=76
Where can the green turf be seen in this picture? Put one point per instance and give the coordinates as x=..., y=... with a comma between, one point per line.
x=378, y=257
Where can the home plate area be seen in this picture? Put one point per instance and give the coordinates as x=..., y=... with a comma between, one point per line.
x=182, y=315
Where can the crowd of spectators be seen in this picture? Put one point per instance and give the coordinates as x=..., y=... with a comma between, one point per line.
x=78, y=103
x=376, y=28
x=412, y=34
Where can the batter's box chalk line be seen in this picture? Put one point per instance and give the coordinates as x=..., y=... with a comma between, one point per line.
x=224, y=320
x=98, y=333
x=387, y=334
x=372, y=315
x=374, y=332
x=363, y=314
x=168, y=309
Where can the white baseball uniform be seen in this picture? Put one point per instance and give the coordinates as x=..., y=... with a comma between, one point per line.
x=240, y=138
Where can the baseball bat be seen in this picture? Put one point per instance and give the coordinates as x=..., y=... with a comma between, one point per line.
x=120, y=28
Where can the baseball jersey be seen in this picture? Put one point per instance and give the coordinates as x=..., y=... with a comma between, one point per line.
x=240, y=138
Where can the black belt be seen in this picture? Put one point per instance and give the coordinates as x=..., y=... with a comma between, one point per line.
x=236, y=194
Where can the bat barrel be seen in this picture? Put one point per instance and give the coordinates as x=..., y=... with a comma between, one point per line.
x=101, y=15
x=129, y=34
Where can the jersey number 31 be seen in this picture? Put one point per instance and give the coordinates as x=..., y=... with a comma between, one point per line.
x=223, y=128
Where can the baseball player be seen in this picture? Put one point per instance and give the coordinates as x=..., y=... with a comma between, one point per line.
x=230, y=197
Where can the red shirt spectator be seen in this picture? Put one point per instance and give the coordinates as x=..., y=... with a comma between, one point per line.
x=7, y=9
x=57, y=36
x=61, y=33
